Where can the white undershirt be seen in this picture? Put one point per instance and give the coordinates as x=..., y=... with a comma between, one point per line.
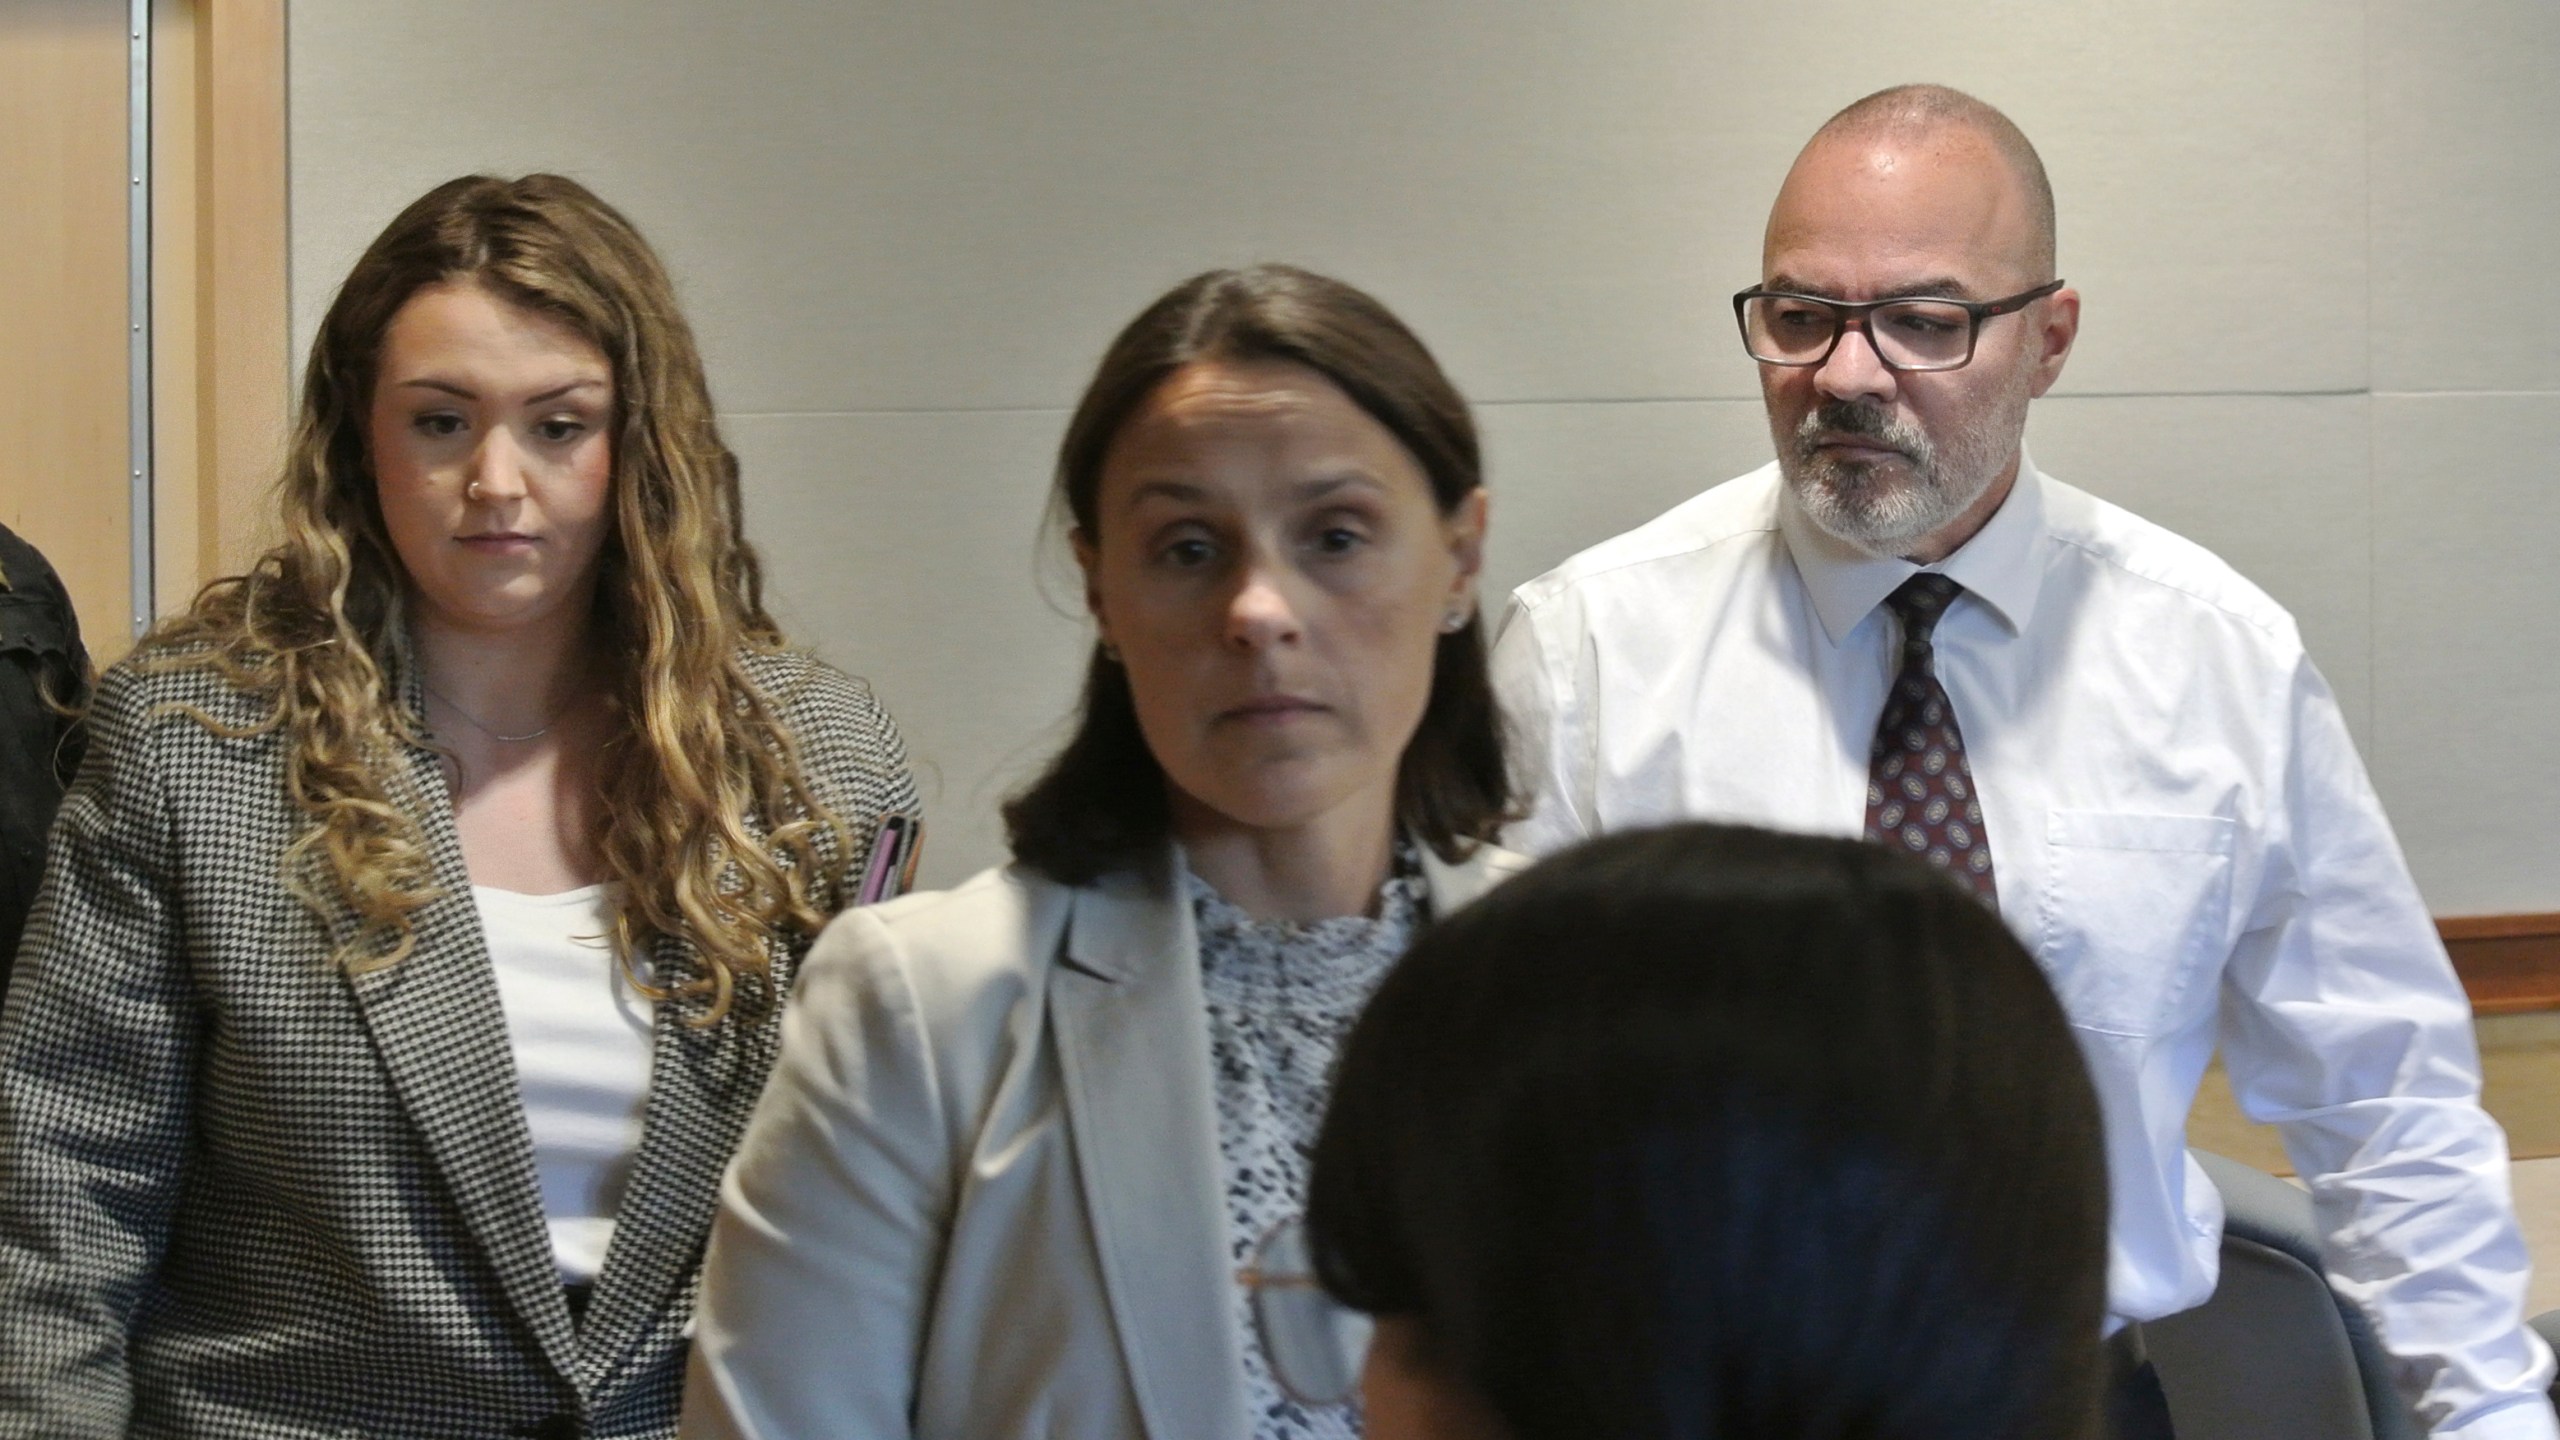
x=581, y=1041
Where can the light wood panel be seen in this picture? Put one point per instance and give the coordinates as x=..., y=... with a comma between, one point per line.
x=63, y=481
x=219, y=384
x=220, y=381
x=2509, y=963
x=177, y=518
x=241, y=365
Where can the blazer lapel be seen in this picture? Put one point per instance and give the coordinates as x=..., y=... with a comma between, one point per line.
x=1133, y=1045
x=703, y=1083
x=436, y=1021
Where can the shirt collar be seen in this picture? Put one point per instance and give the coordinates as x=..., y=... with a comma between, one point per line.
x=1999, y=564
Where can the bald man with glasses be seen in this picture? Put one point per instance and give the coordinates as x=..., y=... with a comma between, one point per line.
x=1902, y=629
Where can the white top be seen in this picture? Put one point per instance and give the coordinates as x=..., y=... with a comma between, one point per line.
x=2181, y=831
x=581, y=1040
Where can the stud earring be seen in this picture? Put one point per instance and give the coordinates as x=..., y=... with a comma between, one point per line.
x=1110, y=651
x=1456, y=619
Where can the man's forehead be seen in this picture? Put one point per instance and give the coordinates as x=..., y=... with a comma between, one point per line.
x=1940, y=285
x=1940, y=212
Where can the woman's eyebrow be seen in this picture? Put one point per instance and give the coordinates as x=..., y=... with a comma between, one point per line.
x=584, y=383
x=1325, y=485
x=464, y=392
x=1180, y=492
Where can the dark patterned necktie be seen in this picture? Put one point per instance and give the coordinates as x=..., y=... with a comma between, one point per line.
x=1920, y=795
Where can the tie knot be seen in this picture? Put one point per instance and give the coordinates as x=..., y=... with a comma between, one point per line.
x=1919, y=601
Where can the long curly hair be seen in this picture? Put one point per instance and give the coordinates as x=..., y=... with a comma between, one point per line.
x=315, y=629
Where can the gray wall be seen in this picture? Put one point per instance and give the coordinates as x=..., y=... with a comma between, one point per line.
x=2322, y=329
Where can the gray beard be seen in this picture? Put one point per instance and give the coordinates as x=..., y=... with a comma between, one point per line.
x=1869, y=505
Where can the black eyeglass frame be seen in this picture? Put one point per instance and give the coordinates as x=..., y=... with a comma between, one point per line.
x=1846, y=312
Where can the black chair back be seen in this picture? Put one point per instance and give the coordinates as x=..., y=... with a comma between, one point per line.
x=2275, y=1354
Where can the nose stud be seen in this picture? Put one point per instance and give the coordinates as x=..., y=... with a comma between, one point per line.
x=471, y=491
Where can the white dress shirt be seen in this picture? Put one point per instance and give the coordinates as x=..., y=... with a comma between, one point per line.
x=581, y=1041
x=2179, y=828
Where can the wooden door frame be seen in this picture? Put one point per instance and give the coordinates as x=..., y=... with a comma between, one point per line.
x=220, y=307
x=66, y=484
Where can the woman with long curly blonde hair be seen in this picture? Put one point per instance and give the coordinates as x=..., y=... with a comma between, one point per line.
x=414, y=937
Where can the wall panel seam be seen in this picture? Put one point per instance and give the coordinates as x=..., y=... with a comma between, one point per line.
x=1566, y=402
x=2526, y=394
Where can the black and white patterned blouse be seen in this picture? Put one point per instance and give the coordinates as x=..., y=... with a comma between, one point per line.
x=1281, y=998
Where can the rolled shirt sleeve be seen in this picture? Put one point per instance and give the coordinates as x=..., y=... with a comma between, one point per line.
x=2344, y=1024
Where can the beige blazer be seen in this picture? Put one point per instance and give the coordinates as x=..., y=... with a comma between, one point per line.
x=980, y=1199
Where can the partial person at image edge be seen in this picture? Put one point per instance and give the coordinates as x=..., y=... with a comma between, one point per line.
x=1903, y=628
x=44, y=681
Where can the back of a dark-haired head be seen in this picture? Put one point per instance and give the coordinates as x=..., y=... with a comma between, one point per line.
x=1100, y=804
x=1718, y=1134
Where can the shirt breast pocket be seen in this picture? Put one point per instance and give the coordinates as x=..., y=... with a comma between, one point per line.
x=2135, y=910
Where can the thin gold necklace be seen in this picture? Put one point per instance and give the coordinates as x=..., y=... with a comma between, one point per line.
x=475, y=722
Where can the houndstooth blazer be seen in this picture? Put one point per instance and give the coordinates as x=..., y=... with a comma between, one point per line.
x=245, y=1193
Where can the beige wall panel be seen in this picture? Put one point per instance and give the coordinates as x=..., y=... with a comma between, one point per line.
x=63, y=447
x=2466, y=195
x=907, y=549
x=2275, y=485
x=878, y=206
x=1567, y=476
x=1566, y=198
x=2465, y=528
x=906, y=232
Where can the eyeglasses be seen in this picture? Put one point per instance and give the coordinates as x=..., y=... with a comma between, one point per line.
x=1921, y=333
x=1315, y=1344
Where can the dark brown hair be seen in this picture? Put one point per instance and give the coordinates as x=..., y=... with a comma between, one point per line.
x=1101, y=805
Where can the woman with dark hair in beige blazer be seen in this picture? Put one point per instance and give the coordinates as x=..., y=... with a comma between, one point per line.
x=413, y=942
x=1026, y=1136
